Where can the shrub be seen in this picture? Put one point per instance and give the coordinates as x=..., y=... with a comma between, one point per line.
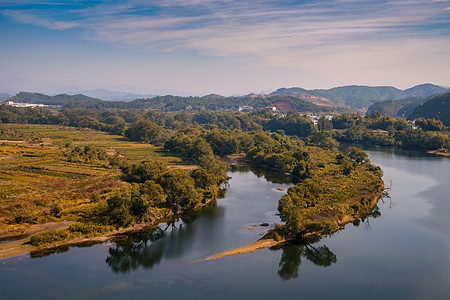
x=51, y=236
x=89, y=229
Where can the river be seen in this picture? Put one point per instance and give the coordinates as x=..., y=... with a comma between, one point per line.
x=401, y=252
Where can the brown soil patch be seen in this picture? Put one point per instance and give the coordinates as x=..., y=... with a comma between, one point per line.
x=183, y=167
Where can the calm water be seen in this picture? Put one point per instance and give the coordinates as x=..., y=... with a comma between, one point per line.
x=404, y=253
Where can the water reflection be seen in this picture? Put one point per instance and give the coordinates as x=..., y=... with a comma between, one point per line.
x=136, y=250
x=148, y=248
x=271, y=176
x=292, y=254
x=61, y=249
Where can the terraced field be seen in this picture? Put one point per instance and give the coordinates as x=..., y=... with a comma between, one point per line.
x=38, y=184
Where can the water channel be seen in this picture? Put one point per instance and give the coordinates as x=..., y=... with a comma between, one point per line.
x=403, y=252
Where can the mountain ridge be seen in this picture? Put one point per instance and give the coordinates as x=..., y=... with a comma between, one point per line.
x=361, y=96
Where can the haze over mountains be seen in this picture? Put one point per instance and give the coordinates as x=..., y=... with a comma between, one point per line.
x=107, y=95
x=353, y=96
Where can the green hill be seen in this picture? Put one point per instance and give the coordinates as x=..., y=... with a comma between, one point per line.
x=424, y=90
x=176, y=103
x=401, y=108
x=437, y=108
x=363, y=96
x=62, y=99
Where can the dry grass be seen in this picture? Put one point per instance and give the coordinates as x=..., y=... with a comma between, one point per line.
x=34, y=174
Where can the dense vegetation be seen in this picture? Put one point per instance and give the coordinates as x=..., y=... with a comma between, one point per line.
x=342, y=187
x=437, y=108
x=374, y=129
x=171, y=103
x=117, y=189
x=397, y=108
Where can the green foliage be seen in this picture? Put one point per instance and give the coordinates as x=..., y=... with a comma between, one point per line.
x=317, y=203
x=51, y=236
x=344, y=121
x=429, y=124
x=387, y=131
x=192, y=147
x=89, y=229
x=424, y=140
x=133, y=203
x=143, y=171
x=180, y=190
x=323, y=140
x=401, y=108
x=324, y=124
x=357, y=155
x=144, y=131
x=86, y=154
x=291, y=124
x=437, y=108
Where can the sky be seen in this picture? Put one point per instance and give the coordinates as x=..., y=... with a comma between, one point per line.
x=226, y=47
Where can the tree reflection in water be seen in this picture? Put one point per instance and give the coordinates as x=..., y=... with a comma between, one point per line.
x=291, y=258
x=136, y=250
x=147, y=248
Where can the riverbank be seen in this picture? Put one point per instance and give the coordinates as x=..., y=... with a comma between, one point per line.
x=17, y=242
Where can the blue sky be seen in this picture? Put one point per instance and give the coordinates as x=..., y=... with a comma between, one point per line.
x=226, y=47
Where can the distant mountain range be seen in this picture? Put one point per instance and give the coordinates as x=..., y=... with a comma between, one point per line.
x=350, y=96
x=360, y=96
x=62, y=99
x=114, y=96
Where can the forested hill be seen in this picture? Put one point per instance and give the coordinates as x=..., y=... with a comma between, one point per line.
x=437, y=108
x=298, y=99
x=401, y=108
x=176, y=103
x=61, y=99
x=363, y=96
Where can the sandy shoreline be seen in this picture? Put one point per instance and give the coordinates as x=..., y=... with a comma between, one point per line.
x=259, y=244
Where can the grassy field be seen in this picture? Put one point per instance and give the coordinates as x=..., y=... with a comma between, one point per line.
x=38, y=184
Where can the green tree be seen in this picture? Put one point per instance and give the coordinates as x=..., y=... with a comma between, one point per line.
x=179, y=189
x=144, y=131
x=143, y=171
x=324, y=124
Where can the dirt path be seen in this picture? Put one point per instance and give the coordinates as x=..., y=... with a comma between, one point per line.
x=19, y=245
x=260, y=244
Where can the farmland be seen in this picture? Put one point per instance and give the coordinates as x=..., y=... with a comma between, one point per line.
x=38, y=183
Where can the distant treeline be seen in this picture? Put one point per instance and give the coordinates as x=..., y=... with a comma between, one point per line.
x=154, y=127
x=129, y=121
x=375, y=129
x=171, y=103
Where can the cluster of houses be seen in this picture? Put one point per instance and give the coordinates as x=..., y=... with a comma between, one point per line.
x=11, y=103
x=315, y=118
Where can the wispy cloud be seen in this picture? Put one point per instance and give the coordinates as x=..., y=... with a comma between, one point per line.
x=305, y=34
x=31, y=18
